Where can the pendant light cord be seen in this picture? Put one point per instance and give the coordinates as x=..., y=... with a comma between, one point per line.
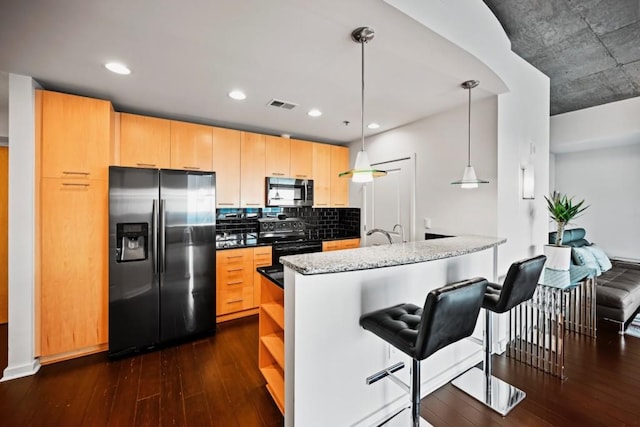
x=469, y=131
x=362, y=42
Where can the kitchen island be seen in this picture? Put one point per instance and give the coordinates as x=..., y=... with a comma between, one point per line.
x=328, y=355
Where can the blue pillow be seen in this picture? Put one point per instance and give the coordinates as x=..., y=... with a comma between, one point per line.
x=583, y=256
x=600, y=256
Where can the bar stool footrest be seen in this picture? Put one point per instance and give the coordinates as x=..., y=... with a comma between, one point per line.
x=495, y=393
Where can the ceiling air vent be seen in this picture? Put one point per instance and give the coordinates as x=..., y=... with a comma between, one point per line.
x=278, y=103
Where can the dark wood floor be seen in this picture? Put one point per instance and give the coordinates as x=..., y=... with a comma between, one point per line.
x=216, y=382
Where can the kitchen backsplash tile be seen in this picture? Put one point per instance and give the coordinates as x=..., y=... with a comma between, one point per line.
x=320, y=223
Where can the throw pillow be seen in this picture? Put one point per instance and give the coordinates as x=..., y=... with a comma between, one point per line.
x=600, y=256
x=582, y=256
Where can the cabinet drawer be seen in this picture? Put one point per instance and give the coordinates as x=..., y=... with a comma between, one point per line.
x=333, y=245
x=234, y=256
x=262, y=257
x=350, y=243
x=232, y=300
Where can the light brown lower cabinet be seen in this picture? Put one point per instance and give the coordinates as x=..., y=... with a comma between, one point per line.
x=271, y=336
x=237, y=282
x=74, y=267
x=336, y=245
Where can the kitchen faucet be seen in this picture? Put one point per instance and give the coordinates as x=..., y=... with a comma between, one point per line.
x=379, y=230
x=401, y=231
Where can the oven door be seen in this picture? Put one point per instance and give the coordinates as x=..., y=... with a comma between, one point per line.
x=281, y=249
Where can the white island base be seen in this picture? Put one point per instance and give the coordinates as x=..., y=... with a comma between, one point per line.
x=328, y=355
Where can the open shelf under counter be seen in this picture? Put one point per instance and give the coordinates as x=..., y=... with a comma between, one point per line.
x=275, y=384
x=274, y=343
x=275, y=312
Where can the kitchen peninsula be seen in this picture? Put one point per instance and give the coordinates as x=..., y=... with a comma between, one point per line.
x=327, y=354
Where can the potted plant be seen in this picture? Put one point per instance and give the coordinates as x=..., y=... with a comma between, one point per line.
x=562, y=209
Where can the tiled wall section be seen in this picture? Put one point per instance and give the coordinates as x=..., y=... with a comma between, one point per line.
x=320, y=223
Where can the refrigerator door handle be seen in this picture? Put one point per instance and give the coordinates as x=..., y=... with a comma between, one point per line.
x=154, y=228
x=163, y=248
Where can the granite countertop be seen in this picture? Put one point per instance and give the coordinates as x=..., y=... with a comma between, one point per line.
x=388, y=255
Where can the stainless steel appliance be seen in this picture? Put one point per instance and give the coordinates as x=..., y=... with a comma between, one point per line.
x=161, y=257
x=287, y=236
x=289, y=192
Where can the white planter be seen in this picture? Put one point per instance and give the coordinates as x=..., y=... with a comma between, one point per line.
x=558, y=257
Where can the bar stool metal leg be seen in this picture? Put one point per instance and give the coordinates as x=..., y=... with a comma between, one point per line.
x=498, y=395
x=415, y=394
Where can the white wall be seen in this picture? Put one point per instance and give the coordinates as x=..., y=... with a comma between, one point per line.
x=21, y=360
x=602, y=126
x=440, y=145
x=522, y=120
x=608, y=180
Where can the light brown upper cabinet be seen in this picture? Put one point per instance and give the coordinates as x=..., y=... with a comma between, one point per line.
x=226, y=164
x=145, y=141
x=190, y=146
x=76, y=136
x=321, y=173
x=339, y=186
x=277, y=156
x=301, y=159
x=252, y=170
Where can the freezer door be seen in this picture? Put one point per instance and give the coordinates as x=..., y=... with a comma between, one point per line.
x=133, y=282
x=187, y=254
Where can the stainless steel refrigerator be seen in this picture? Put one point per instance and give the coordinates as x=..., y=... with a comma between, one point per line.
x=162, y=274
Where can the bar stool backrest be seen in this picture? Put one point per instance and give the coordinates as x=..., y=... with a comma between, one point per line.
x=450, y=314
x=520, y=283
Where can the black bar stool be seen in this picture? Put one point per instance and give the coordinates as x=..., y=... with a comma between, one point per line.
x=450, y=314
x=518, y=287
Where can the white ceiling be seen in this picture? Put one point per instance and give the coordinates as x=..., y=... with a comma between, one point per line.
x=186, y=56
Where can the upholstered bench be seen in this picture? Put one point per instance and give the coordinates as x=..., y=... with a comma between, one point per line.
x=618, y=290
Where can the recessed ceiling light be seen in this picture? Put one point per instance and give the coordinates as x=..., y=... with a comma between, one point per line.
x=314, y=113
x=373, y=126
x=118, y=68
x=237, y=95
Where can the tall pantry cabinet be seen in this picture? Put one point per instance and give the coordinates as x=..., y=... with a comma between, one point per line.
x=74, y=143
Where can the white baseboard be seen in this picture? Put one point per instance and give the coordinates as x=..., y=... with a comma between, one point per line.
x=25, y=370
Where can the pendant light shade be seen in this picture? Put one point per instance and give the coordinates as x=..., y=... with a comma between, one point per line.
x=362, y=170
x=469, y=179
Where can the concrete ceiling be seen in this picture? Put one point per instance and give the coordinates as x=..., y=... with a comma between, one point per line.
x=186, y=57
x=590, y=49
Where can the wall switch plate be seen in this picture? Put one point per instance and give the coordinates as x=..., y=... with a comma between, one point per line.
x=427, y=223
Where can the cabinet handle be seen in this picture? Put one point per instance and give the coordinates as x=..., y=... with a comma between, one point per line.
x=76, y=173
x=75, y=184
x=301, y=176
x=239, y=282
x=146, y=164
x=234, y=256
x=231, y=301
x=338, y=204
x=235, y=269
x=192, y=167
x=252, y=204
x=277, y=174
x=224, y=204
x=321, y=204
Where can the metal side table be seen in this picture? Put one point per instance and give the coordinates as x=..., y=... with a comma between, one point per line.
x=563, y=301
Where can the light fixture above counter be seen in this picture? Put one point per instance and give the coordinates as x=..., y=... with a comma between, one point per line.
x=469, y=179
x=362, y=170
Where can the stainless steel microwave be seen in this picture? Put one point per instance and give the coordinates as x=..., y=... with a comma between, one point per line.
x=289, y=192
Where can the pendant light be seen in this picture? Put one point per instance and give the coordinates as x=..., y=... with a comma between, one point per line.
x=469, y=178
x=362, y=170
